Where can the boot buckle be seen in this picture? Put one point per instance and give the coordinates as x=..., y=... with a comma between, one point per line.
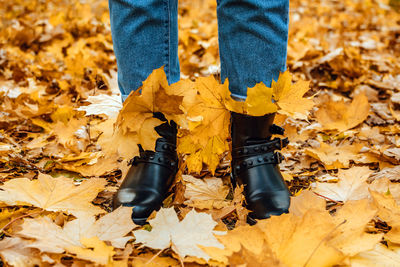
x=133, y=161
x=275, y=129
x=278, y=157
x=284, y=142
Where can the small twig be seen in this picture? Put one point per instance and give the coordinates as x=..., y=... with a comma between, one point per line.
x=322, y=240
x=181, y=261
x=20, y=217
x=155, y=256
x=330, y=199
x=176, y=250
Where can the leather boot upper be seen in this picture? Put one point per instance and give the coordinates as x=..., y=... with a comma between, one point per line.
x=254, y=164
x=150, y=176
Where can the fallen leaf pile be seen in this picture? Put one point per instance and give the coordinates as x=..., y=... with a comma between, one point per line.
x=66, y=138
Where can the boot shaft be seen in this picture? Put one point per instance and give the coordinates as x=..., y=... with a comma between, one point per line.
x=247, y=130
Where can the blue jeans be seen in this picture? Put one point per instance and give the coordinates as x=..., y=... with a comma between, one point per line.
x=252, y=37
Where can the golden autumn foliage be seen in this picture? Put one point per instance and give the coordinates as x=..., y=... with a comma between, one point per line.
x=65, y=139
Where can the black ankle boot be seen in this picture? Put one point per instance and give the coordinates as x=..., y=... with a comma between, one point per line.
x=150, y=176
x=254, y=164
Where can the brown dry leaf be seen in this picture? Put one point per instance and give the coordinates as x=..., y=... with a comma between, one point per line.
x=389, y=211
x=72, y=134
x=385, y=186
x=334, y=157
x=289, y=97
x=184, y=237
x=206, y=193
x=8, y=214
x=390, y=173
x=54, y=194
x=342, y=116
x=16, y=252
x=351, y=186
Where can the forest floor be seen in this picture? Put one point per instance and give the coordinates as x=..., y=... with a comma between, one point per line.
x=66, y=138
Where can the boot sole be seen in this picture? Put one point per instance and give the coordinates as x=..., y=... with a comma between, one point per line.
x=139, y=221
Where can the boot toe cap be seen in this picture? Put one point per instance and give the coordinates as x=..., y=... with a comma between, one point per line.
x=143, y=202
x=272, y=203
x=140, y=214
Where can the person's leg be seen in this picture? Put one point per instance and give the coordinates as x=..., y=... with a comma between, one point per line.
x=253, y=43
x=252, y=38
x=145, y=37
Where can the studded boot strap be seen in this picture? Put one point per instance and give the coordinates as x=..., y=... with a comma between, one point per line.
x=250, y=156
x=164, y=155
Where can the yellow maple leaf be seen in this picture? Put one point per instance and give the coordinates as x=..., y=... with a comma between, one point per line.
x=136, y=115
x=352, y=185
x=389, y=211
x=54, y=194
x=307, y=236
x=202, y=109
x=184, y=236
x=381, y=255
x=50, y=237
x=341, y=116
x=259, y=100
x=289, y=97
x=241, y=237
x=210, y=108
x=208, y=123
x=206, y=193
x=353, y=218
x=18, y=253
x=96, y=251
x=334, y=157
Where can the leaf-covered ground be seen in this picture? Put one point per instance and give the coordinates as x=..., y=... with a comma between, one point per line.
x=61, y=158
